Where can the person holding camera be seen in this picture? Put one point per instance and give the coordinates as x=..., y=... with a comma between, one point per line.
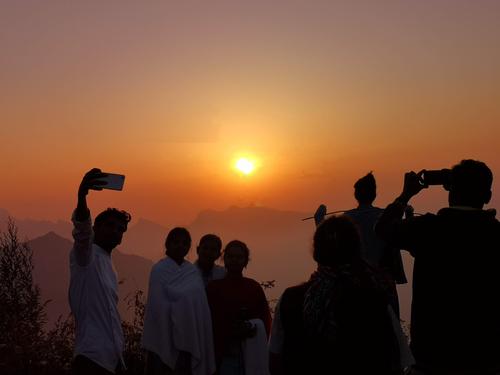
x=455, y=317
x=93, y=290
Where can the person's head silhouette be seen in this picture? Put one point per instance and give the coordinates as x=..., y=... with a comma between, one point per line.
x=177, y=244
x=470, y=184
x=336, y=242
x=365, y=189
x=236, y=257
x=109, y=227
x=208, y=250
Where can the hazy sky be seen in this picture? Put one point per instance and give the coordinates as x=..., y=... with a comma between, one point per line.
x=170, y=93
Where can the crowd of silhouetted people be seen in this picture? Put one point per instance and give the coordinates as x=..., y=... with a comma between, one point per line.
x=204, y=319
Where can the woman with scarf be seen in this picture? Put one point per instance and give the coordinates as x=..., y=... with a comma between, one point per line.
x=338, y=321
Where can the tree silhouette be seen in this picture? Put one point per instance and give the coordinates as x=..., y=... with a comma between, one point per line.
x=59, y=345
x=22, y=312
x=133, y=353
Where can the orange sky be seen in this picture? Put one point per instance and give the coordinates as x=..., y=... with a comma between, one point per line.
x=169, y=93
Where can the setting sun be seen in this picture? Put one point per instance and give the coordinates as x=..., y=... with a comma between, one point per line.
x=245, y=166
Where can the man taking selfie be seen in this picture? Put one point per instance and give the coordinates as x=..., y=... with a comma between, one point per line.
x=93, y=290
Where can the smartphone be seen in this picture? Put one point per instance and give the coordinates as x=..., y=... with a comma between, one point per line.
x=437, y=177
x=112, y=181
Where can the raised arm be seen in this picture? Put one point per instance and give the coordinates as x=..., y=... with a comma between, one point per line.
x=82, y=224
x=389, y=225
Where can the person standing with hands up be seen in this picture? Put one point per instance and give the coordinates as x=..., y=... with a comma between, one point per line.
x=93, y=290
x=455, y=324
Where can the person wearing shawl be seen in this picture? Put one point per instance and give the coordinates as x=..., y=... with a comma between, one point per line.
x=177, y=333
x=338, y=321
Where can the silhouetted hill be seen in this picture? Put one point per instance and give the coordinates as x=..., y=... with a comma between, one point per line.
x=51, y=273
x=32, y=228
x=146, y=239
x=51, y=260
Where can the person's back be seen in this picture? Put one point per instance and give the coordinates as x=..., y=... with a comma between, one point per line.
x=363, y=339
x=295, y=352
x=455, y=324
x=456, y=289
x=338, y=321
x=373, y=248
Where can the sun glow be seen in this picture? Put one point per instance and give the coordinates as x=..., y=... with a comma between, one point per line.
x=245, y=166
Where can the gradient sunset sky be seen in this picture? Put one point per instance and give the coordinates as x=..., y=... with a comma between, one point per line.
x=170, y=93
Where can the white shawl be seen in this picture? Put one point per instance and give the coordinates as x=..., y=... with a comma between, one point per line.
x=255, y=354
x=177, y=316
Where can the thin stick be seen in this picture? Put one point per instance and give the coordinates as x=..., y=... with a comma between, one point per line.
x=340, y=211
x=328, y=213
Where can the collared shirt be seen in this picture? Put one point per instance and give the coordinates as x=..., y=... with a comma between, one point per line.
x=216, y=273
x=93, y=297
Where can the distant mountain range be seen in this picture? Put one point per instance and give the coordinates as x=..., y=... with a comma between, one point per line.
x=280, y=249
x=31, y=228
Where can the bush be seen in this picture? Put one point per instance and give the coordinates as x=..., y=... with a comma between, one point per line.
x=22, y=313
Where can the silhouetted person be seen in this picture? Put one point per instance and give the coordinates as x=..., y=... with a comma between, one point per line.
x=209, y=250
x=93, y=290
x=177, y=326
x=455, y=317
x=374, y=250
x=235, y=301
x=338, y=322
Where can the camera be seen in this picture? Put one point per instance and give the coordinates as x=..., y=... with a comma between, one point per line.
x=437, y=177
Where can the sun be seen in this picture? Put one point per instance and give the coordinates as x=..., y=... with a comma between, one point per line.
x=245, y=166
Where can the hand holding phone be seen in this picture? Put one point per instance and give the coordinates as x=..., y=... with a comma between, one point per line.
x=95, y=179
